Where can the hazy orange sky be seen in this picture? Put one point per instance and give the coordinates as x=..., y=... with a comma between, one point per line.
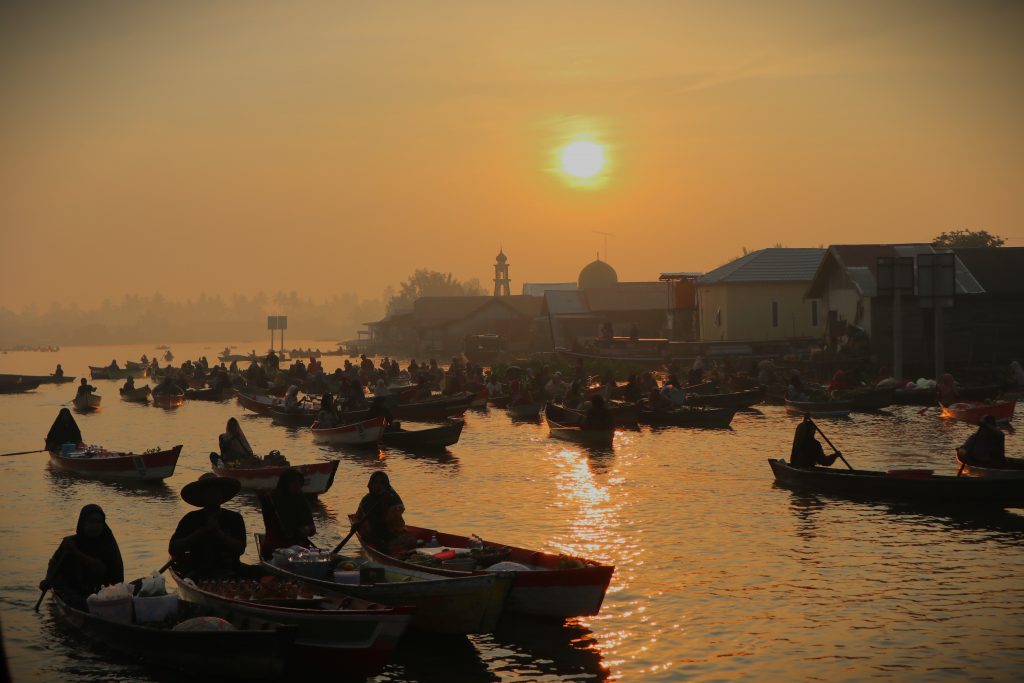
x=334, y=146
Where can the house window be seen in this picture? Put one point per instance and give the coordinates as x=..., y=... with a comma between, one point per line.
x=718, y=317
x=814, y=313
x=775, y=314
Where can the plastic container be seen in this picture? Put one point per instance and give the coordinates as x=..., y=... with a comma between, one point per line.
x=346, y=576
x=372, y=574
x=311, y=568
x=459, y=564
x=118, y=609
x=66, y=448
x=156, y=608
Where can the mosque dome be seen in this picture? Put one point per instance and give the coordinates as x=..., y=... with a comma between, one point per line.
x=597, y=274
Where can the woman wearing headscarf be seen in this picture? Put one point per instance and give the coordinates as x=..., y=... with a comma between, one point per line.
x=86, y=561
x=380, y=513
x=291, y=399
x=234, y=447
x=326, y=418
x=63, y=430
x=292, y=520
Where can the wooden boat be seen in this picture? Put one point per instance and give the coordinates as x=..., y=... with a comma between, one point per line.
x=525, y=410
x=138, y=394
x=554, y=585
x=929, y=397
x=104, y=464
x=118, y=373
x=686, y=416
x=912, y=485
x=252, y=652
x=1011, y=468
x=297, y=418
x=974, y=411
x=434, y=409
x=221, y=393
x=334, y=636
x=18, y=387
x=87, y=402
x=168, y=399
x=869, y=399
x=38, y=379
x=737, y=400
x=600, y=438
x=624, y=414
x=257, y=403
x=457, y=605
x=317, y=477
x=357, y=434
x=819, y=408
x=432, y=438
x=479, y=399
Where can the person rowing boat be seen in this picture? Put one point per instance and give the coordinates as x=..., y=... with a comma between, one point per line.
x=987, y=446
x=807, y=451
x=85, y=561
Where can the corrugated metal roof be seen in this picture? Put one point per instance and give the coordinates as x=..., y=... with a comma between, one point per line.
x=768, y=265
x=561, y=302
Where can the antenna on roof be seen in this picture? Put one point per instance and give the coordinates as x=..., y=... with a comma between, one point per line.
x=606, y=236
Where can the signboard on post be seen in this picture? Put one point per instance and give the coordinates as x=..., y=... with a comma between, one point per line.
x=277, y=322
x=936, y=280
x=895, y=274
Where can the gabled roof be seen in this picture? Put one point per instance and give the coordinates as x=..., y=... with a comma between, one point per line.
x=440, y=310
x=768, y=265
x=860, y=261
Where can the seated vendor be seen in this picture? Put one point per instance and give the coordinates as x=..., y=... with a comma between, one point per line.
x=86, y=561
x=208, y=542
x=234, y=447
x=380, y=514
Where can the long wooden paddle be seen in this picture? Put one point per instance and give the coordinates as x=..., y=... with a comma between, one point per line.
x=355, y=526
x=49, y=577
x=818, y=429
x=41, y=450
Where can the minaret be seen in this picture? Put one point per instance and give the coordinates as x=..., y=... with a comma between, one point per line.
x=501, y=281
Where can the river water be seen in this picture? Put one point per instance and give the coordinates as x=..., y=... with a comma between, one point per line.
x=720, y=575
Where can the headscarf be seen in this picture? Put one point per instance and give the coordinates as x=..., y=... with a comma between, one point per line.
x=291, y=508
x=238, y=436
x=103, y=547
x=63, y=430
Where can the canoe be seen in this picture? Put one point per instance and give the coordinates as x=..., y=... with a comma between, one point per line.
x=624, y=414
x=687, y=416
x=138, y=394
x=601, y=438
x=915, y=485
x=427, y=439
x=86, y=402
x=317, y=477
x=104, y=464
x=929, y=397
x=119, y=373
x=18, y=387
x=737, y=400
x=38, y=379
x=500, y=401
x=168, y=400
x=554, y=586
x=252, y=652
x=525, y=410
x=334, y=636
x=974, y=411
x=257, y=403
x=479, y=399
x=357, y=434
x=463, y=605
x=298, y=418
x=819, y=408
x=219, y=394
x=1011, y=468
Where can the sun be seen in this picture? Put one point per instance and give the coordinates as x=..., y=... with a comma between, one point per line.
x=582, y=159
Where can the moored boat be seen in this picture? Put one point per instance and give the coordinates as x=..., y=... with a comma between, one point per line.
x=316, y=477
x=551, y=585
x=301, y=417
x=221, y=393
x=38, y=379
x=87, y=402
x=138, y=394
x=601, y=438
x=20, y=386
x=257, y=403
x=361, y=433
x=430, y=438
x=467, y=604
x=335, y=635
x=819, y=408
x=624, y=414
x=168, y=399
x=869, y=399
x=249, y=652
x=103, y=464
x=974, y=411
x=689, y=416
x=433, y=410
x=118, y=373
x=923, y=486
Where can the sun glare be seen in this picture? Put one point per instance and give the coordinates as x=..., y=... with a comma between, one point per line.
x=582, y=159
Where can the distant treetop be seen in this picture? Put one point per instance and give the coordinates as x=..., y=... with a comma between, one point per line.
x=968, y=238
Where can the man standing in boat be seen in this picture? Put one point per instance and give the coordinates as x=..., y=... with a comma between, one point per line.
x=807, y=450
